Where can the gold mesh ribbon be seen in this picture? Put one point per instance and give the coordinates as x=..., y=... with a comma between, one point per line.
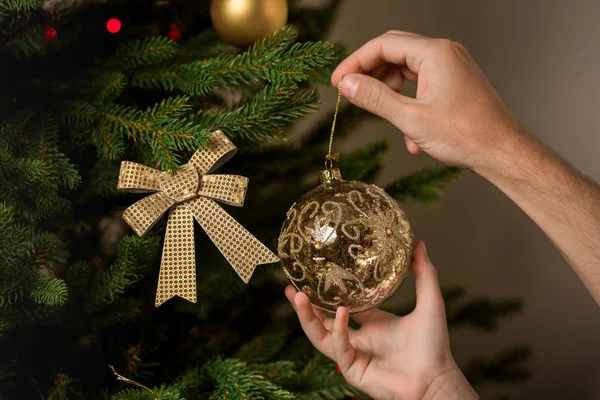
x=191, y=193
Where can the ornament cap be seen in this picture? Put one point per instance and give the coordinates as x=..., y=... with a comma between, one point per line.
x=329, y=175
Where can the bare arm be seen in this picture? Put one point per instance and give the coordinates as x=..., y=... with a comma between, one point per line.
x=564, y=203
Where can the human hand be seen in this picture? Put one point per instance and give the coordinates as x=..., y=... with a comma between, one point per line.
x=456, y=116
x=391, y=357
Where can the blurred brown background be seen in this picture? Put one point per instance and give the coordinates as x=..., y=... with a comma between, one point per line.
x=543, y=58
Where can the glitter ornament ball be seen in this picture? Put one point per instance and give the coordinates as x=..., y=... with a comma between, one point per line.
x=346, y=243
x=243, y=22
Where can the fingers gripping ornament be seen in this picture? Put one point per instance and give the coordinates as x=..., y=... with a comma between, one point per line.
x=345, y=243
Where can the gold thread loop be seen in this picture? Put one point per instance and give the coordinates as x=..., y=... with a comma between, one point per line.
x=130, y=381
x=331, y=157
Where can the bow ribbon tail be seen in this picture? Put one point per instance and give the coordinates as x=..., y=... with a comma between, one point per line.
x=177, y=275
x=243, y=251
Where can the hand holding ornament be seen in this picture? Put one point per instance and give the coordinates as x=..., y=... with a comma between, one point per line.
x=391, y=357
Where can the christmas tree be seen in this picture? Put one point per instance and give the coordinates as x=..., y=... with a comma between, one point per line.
x=77, y=286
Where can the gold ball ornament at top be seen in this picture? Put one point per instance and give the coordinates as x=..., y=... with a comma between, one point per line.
x=242, y=22
x=346, y=243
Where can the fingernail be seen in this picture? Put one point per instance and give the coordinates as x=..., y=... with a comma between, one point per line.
x=425, y=249
x=350, y=86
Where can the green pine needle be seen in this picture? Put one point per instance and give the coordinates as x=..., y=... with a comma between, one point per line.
x=19, y=5
x=274, y=59
x=143, y=53
x=235, y=380
x=52, y=292
x=109, y=86
x=266, y=116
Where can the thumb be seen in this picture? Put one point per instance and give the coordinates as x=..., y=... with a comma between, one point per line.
x=378, y=98
x=429, y=295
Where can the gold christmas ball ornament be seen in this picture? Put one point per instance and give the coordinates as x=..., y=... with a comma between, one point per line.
x=346, y=243
x=243, y=22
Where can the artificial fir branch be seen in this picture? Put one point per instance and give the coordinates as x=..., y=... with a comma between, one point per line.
x=19, y=6
x=273, y=59
x=143, y=53
x=266, y=116
x=234, y=379
x=132, y=254
x=52, y=292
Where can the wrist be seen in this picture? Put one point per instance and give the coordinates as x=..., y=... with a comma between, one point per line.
x=504, y=159
x=450, y=384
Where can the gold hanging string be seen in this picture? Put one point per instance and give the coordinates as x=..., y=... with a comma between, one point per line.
x=331, y=157
x=132, y=382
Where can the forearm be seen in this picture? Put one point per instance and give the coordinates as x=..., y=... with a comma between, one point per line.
x=564, y=203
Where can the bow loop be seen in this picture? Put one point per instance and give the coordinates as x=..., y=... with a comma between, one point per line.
x=221, y=151
x=137, y=178
x=229, y=189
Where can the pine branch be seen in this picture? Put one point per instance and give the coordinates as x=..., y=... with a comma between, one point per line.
x=322, y=76
x=266, y=116
x=132, y=254
x=273, y=59
x=78, y=115
x=319, y=380
x=66, y=173
x=278, y=372
x=109, y=86
x=143, y=53
x=177, y=390
x=19, y=6
x=52, y=292
x=235, y=380
x=423, y=186
x=163, y=127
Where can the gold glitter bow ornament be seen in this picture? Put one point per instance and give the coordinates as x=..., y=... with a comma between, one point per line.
x=189, y=193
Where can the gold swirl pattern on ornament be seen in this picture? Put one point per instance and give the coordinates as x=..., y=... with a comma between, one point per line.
x=334, y=275
x=296, y=265
x=301, y=217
